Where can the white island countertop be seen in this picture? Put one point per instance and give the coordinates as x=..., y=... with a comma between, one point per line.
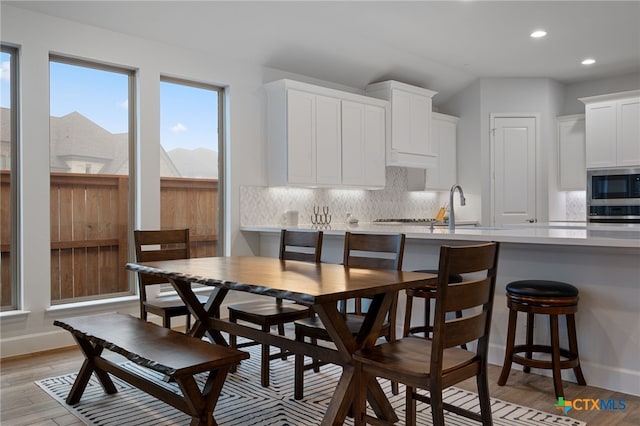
x=567, y=234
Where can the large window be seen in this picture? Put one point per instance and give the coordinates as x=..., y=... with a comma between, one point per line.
x=8, y=138
x=90, y=139
x=191, y=131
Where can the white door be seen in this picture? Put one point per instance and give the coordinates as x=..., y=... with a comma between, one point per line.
x=514, y=175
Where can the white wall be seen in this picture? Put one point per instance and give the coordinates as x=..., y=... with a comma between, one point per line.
x=32, y=330
x=601, y=86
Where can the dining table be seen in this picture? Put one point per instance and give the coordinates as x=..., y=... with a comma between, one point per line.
x=317, y=285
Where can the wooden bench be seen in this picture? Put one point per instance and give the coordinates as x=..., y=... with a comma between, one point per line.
x=175, y=355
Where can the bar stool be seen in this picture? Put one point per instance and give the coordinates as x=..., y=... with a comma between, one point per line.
x=427, y=293
x=551, y=298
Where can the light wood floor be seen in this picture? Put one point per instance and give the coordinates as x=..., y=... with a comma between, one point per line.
x=24, y=403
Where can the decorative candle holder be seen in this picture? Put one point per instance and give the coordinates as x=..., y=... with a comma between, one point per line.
x=321, y=219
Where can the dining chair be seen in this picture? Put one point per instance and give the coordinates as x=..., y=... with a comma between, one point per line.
x=294, y=245
x=376, y=251
x=437, y=364
x=155, y=245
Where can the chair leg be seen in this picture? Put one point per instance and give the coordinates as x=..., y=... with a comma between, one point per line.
x=166, y=320
x=529, y=354
x=459, y=315
x=427, y=319
x=483, y=396
x=437, y=409
x=410, y=405
x=264, y=361
x=407, y=316
x=188, y=323
x=508, y=352
x=233, y=342
x=298, y=374
x=281, y=333
x=573, y=348
x=555, y=356
x=316, y=361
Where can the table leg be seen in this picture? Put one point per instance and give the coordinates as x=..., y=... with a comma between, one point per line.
x=202, y=314
x=346, y=344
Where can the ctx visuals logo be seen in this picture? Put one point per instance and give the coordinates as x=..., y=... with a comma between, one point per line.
x=589, y=404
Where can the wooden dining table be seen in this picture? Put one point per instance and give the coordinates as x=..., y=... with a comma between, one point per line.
x=318, y=285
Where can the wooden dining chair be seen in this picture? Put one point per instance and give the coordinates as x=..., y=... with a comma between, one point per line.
x=436, y=364
x=158, y=245
x=376, y=251
x=294, y=245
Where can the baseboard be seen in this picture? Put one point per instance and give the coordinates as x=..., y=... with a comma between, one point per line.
x=596, y=375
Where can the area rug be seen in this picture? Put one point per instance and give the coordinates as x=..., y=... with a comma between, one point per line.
x=244, y=402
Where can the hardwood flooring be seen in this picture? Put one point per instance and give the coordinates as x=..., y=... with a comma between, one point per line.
x=22, y=402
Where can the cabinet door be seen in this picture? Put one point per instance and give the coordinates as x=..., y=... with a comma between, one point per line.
x=629, y=132
x=363, y=139
x=601, y=134
x=301, y=137
x=443, y=136
x=411, y=122
x=328, y=141
x=571, y=154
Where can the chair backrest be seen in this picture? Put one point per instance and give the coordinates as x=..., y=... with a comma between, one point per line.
x=474, y=296
x=375, y=251
x=160, y=245
x=301, y=245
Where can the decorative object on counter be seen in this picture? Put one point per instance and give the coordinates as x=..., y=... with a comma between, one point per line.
x=351, y=220
x=321, y=220
x=551, y=298
x=452, y=216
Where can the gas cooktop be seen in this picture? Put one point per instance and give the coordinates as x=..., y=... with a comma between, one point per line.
x=410, y=220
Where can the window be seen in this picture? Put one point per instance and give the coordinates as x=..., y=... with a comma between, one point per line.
x=90, y=139
x=190, y=138
x=8, y=192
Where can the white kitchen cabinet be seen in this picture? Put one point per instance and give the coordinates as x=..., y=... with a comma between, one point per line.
x=363, y=144
x=613, y=130
x=409, y=143
x=324, y=137
x=572, y=173
x=443, y=176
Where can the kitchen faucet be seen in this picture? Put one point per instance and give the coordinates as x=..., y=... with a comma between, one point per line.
x=452, y=216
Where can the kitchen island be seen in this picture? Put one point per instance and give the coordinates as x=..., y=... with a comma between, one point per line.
x=603, y=261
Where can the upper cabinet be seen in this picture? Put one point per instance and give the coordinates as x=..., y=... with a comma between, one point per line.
x=409, y=144
x=613, y=130
x=571, y=153
x=324, y=137
x=443, y=176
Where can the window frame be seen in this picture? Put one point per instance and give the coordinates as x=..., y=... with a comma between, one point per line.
x=222, y=199
x=131, y=75
x=14, y=245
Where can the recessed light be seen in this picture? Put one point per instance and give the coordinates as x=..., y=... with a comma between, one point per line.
x=538, y=34
x=589, y=61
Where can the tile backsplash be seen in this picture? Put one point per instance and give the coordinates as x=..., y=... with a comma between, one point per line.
x=576, y=206
x=261, y=205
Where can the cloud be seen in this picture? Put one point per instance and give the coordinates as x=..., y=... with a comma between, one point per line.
x=124, y=104
x=178, y=128
x=5, y=70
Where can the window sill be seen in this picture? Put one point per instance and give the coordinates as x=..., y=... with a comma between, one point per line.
x=87, y=305
x=10, y=316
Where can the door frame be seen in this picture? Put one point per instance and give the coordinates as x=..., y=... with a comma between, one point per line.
x=492, y=140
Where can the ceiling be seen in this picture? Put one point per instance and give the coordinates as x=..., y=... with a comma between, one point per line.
x=443, y=46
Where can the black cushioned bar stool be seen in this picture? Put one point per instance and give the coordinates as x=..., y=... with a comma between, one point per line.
x=427, y=293
x=551, y=298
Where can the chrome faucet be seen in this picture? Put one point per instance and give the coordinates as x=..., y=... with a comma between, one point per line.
x=452, y=216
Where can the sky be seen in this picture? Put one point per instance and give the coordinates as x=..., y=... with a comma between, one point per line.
x=188, y=115
x=4, y=80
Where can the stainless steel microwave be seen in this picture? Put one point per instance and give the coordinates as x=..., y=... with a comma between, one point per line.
x=613, y=195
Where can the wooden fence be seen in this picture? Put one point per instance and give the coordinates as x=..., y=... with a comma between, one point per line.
x=89, y=230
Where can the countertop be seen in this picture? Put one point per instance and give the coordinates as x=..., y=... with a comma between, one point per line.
x=555, y=233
